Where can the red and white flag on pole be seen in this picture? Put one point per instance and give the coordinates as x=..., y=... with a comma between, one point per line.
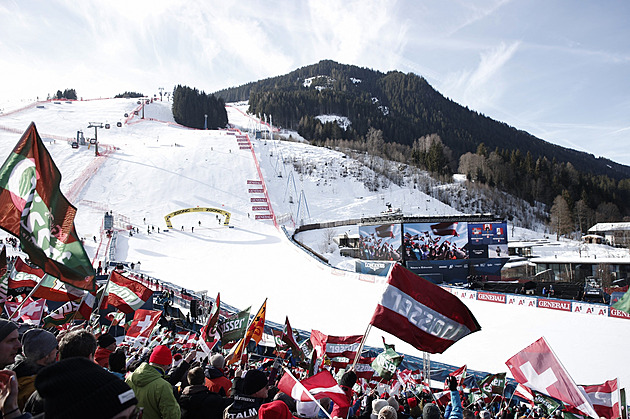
x=524, y=393
x=142, y=325
x=335, y=346
x=460, y=376
x=208, y=335
x=30, y=312
x=421, y=313
x=125, y=294
x=605, y=399
x=320, y=385
x=537, y=367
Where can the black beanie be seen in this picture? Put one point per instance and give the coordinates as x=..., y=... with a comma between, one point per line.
x=105, y=340
x=348, y=379
x=254, y=381
x=77, y=388
x=6, y=327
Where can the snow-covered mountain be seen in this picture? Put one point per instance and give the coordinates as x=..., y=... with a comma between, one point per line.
x=152, y=167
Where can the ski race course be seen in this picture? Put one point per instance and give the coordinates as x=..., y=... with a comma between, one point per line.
x=152, y=167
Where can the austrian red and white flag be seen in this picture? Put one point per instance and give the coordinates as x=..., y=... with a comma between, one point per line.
x=31, y=312
x=142, y=325
x=335, y=346
x=421, y=313
x=537, y=367
x=605, y=399
x=125, y=294
x=319, y=386
x=444, y=229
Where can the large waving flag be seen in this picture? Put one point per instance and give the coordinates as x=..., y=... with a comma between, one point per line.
x=288, y=337
x=23, y=275
x=254, y=331
x=125, y=294
x=421, y=313
x=33, y=208
x=537, y=367
x=335, y=346
x=605, y=399
x=320, y=385
x=30, y=311
x=142, y=325
x=208, y=335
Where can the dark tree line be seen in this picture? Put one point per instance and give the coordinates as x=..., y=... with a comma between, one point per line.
x=190, y=107
x=129, y=95
x=69, y=94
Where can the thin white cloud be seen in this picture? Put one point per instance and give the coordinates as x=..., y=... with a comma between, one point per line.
x=480, y=87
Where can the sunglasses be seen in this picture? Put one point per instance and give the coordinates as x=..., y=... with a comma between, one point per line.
x=137, y=413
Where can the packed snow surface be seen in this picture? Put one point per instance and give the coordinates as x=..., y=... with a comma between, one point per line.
x=158, y=167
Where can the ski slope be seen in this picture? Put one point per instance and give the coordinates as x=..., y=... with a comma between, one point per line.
x=157, y=167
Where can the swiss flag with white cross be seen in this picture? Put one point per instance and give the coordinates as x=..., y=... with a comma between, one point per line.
x=537, y=368
x=142, y=325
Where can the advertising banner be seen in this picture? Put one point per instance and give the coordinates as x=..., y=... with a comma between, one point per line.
x=377, y=267
x=491, y=296
x=489, y=269
x=518, y=300
x=380, y=242
x=439, y=271
x=592, y=309
x=554, y=304
x=435, y=241
x=233, y=327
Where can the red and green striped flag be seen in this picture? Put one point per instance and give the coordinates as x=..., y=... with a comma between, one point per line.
x=33, y=209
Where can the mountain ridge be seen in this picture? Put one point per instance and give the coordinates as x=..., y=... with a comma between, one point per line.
x=405, y=95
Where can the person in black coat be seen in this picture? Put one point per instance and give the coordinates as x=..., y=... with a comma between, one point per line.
x=196, y=401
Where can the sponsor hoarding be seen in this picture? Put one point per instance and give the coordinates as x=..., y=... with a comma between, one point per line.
x=380, y=268
x=554, y=304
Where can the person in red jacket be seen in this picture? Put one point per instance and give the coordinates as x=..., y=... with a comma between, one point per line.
x=106, y=345
x=216, y=381
x=348, y=380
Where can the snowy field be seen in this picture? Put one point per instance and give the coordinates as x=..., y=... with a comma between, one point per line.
x=158, y=167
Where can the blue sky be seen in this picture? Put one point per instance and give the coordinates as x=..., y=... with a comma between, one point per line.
x=557, y=69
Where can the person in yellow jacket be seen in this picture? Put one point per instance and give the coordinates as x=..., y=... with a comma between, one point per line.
x=153, y=392
x=40, y=349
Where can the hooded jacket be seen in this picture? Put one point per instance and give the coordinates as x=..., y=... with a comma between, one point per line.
x=197, y=402
x=153, y=392
x=217, y=382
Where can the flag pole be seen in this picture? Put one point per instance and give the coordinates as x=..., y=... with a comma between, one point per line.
x=17, y=310
x=358, y=355
x=100, y=301
x=286, y=370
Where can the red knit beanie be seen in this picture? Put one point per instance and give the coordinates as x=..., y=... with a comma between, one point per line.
x=161, y=355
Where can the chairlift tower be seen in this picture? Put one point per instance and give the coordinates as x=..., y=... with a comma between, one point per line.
x=96, y=126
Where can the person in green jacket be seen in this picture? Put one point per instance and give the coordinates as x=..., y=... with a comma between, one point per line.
x=153, y=392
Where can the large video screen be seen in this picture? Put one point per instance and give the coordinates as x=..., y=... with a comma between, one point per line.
x=380, y=242
x=435, y=241
x=487, y=240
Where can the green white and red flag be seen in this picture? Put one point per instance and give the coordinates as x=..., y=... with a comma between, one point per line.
x=125, y=294
x=62, y=315
x=47, y=286
x=209, y=335
x=33, y=209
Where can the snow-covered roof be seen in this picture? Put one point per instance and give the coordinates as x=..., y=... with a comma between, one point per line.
x=603, y=227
